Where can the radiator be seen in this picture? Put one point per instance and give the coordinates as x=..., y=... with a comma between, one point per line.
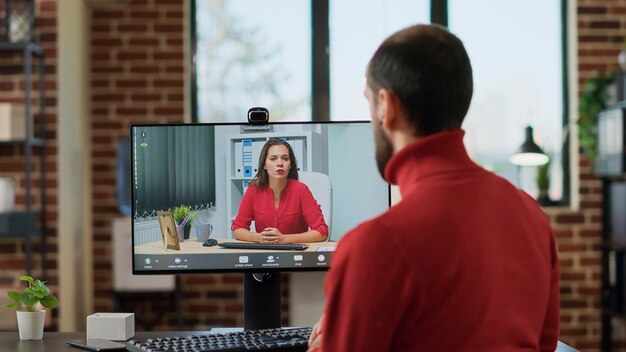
x=147, y=230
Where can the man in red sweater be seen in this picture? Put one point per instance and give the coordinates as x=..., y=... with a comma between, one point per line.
x=465, y=261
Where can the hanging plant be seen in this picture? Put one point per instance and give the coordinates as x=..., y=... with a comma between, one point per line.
x=593, y=99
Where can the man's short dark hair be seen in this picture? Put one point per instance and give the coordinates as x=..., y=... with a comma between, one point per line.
x=427, y=67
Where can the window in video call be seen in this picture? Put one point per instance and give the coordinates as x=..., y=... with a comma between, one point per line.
x=188, y=182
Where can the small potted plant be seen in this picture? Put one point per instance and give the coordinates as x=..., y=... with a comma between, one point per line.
x=30, y=319
x=183, y=215
x=543, y=183
x=593, y=99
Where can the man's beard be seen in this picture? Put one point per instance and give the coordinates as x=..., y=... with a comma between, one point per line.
x=384, y=149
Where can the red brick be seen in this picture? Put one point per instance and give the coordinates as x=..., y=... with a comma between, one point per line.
x=203, y=308
x=592, y=38
x=604, y=24
x=132, y=111
x=590, y=233
x=144, y=69
x=114, y=69
x=108, y=97
x=591, y=10
x=107, y=14
x=144, y=14
x=146, y=97
x=573, y=303
x=174, y=42
x=130, y=83
x=100, y=28
x=571, y=276
x=168, y=56
x=7, y=86
x=47, y=6
x=131, y=56
x=201, y=280
x=591, y=67
x=564, y=233
x=106, y=42
x=570, y=219
x=143, y=42
x=163, y=83
x=573, y=332
x=132, y=28
x=571, y=247
x=175, y=97
x=168, y=2
x=45, y=22
x=167, y=28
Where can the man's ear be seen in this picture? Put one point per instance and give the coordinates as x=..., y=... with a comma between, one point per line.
x=389, y=108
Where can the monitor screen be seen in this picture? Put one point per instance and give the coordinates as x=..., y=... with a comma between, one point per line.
x=188, y=182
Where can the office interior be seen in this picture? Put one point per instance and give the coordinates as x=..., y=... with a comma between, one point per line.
x=109, y=63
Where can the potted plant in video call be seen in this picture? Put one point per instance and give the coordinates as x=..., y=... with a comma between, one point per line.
x=30, y=319
x=183, y=215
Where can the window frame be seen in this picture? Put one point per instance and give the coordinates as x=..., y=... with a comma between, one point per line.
x=320, y=72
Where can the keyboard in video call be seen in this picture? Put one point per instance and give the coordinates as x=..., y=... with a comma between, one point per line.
x=288, y=339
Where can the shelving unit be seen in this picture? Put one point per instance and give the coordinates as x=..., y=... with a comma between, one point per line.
x=610, y=166
x=307, y=146
x=24, y=224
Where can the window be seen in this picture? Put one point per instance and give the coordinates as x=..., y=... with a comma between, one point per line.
x=518, y=81
x=307, y=59
x=355, y=33
x=252, y=53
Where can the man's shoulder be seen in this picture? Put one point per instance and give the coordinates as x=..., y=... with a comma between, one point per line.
x=369, y=235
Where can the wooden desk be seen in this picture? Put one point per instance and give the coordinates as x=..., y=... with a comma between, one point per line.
x=55, y=341
x=193, y=246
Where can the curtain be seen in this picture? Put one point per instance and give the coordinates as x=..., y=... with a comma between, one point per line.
x=173, y=165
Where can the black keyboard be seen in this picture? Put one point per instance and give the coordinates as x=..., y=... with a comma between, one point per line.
x=270, y=246
x=288, y=339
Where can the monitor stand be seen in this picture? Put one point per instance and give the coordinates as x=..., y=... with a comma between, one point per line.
x=261, y=301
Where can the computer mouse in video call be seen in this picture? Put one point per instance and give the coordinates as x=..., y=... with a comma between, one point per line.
x=209, y=243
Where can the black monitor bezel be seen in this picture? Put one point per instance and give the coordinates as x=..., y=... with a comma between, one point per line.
x=225, y=270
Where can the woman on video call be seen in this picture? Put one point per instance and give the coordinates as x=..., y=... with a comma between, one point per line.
x=282, y=207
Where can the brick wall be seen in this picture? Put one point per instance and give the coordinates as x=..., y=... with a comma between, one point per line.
x=12, y=250
x=137, y=76
x=601, y=29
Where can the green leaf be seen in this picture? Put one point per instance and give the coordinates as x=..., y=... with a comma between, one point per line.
x=12, y=305
x=49, y=301
x=29, y=301
x=15, y=296
x=593, y=99
x=27, y=278
x=34, y=292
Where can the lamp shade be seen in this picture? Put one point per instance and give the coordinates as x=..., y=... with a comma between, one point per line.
x=529, y=153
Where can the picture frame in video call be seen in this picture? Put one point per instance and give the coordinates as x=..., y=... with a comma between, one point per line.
x=188, y=180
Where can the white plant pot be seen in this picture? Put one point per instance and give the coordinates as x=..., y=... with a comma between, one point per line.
x=30, y=324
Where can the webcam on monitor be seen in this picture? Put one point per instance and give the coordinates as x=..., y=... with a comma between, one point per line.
x=258, y=115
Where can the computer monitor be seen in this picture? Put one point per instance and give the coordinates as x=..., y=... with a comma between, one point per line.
x=207, y=168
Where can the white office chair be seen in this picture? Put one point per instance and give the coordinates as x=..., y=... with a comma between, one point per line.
x=320, y=186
